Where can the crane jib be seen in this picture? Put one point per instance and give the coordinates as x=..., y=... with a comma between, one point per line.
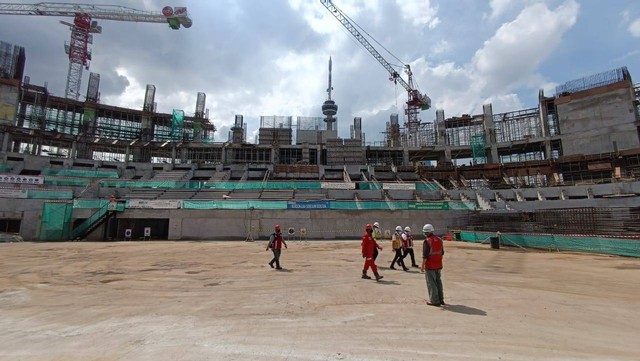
x=416, y=100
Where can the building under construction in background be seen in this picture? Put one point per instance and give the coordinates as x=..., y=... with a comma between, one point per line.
x=578, y=148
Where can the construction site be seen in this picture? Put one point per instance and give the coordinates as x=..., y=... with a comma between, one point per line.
x=556, y=185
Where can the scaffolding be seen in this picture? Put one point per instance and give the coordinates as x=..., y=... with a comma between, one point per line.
x=459, y=131
x=593, y=81
x=518, y=125
x=478, y=147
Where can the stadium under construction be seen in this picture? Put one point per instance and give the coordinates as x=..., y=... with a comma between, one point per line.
x=570, y=165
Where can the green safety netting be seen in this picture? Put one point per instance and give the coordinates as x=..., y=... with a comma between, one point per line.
x=425, y=186
x=56, y=221
x=89, y=115
x=462, y=205
x=5, y=168
x=368, y=185
x=177, y=124
x=47, y=194
x=368, y=205
x=229, y=204
x=592, y=244
x=79, y=173
x=57, y=181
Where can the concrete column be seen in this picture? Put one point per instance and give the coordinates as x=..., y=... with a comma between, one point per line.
x=405, y=155
x=305, y=152
x=6, y=140
x=490, y=134
x=74, y=150
x=173, y=154
x=441, y=136
x=544, y=124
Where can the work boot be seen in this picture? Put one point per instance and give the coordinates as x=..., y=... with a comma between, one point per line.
x=365, y=276
x=392, y=267
x=378, y=277
x=406, y=269
x=271, y=264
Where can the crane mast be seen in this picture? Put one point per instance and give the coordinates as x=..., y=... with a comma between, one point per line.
x=84, y=26
x=416, y=101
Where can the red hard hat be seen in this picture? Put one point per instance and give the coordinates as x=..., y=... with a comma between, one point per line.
x=277, y=227
x=368, y=227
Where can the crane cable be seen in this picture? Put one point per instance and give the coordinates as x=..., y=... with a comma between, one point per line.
x=374, y=39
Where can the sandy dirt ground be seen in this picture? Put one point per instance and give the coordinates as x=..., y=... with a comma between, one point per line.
x=221, y=301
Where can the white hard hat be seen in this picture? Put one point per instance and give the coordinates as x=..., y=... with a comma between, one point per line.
x=407, y=229
x=376, y=224
x=398, y=228
x=427, y=228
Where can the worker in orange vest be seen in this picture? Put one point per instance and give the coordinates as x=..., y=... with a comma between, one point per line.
x=432, y=252
x=368, y=246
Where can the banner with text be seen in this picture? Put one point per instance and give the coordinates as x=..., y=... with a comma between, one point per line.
x=22, y=179
x=399, y=186
x=308, y=205
x=337, y=185
x=153, y=204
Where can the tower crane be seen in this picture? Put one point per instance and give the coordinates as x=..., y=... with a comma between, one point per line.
x=416, y=101
x=84, y=26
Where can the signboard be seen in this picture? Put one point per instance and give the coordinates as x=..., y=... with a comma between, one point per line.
x=147, y=232
x=13, y=193
x=428, y=205
x=337, y=185
x=308, y=205
x=127, y=233
x=399, y=186
x=154, y=204
x=22, y=179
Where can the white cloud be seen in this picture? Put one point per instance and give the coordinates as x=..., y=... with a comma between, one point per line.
x=634, y=28
x=419, y=12
x=506, y=62
x=511, y=56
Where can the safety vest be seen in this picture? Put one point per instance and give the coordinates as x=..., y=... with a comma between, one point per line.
x=434, y=259
x=276, y=241
x=397, y=241
x=377, y=235
x=408, y=243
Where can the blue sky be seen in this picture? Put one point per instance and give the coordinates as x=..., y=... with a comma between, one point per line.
x=255, y=57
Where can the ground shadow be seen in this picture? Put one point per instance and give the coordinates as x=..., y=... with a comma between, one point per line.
x=465, y=309
x=394, y=283
x=284, y=270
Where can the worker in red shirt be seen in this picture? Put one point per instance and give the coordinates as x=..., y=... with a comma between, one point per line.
x=432, y=252
x=275, y=243
x=368, y=247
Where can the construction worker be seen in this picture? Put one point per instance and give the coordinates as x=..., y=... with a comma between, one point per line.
x=407, y=245
x=396, y=244
x=368, y=245
x=377, y=236
x=432, y=252
x=275, y=243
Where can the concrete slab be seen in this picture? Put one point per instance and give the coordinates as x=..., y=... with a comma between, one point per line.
x=221, y=301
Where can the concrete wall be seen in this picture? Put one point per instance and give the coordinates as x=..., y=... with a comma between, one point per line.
x=320, y=224
x=591, y=121
x=28, y=210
